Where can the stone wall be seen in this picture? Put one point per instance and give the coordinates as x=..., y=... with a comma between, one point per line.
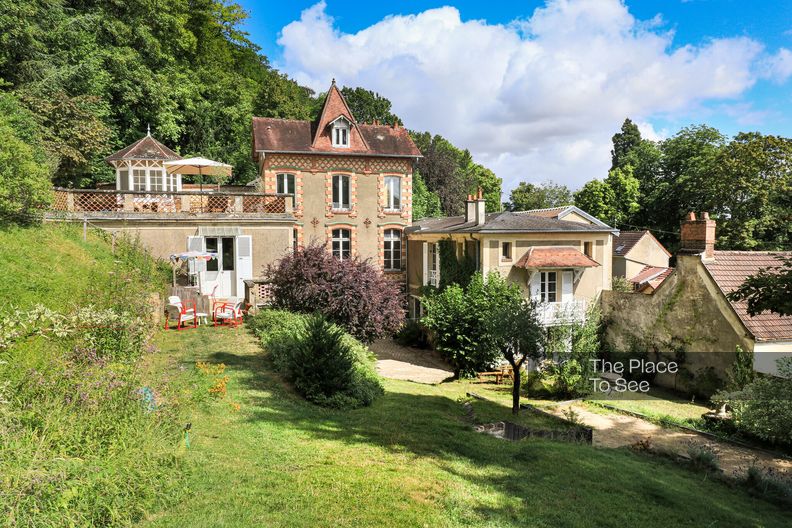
x=687, y=317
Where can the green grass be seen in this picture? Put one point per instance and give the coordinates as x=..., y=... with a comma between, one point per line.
x=410, y=459
x=660, y=406
x=52, y=265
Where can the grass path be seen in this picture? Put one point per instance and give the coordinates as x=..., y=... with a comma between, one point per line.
x=409, y=460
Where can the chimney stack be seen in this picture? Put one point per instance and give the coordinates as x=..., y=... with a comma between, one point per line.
x=697, y=237
x=476, y=208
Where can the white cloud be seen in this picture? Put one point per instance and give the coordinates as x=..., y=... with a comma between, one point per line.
x=778, y=67
x=535, y=99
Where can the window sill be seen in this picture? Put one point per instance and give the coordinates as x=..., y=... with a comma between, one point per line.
x=393, y=211
x=393, y=271
x=340, y=211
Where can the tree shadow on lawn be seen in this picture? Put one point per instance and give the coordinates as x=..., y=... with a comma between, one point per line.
x=550, y=483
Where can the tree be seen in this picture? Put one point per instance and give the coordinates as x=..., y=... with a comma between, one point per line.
x=514, y=327
x=769, y=290
x=527, y=196
x=351, y=293
x=368, y=106
x=25, y=166
x=624, y=142
x=426, y=204
x=614, y=200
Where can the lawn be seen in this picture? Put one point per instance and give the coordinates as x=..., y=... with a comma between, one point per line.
x=409, y=460
x=659, y=405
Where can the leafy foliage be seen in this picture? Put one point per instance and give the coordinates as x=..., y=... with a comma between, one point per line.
x=452, y=174
x=95, y=74
x=368, y=106
x=527, y=196
x=743, y=182
x=455, y=269
x=327, y=366
x=762, y=407
x=425, y=203
x=462, y=321
x=24, y=164
x=351, y=293
x=768, y=290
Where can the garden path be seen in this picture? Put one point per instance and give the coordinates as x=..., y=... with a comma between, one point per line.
x=399, y=362
x=616, y=430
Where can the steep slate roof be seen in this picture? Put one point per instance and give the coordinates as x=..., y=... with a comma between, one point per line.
x=146, y=148
x=504, y=222
x=729, y=269
x=555, y=257
x=626, y=240
x=289, y=135
x=652, y=276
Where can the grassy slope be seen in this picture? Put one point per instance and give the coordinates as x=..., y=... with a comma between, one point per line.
x=50, y=265
x=410, y=460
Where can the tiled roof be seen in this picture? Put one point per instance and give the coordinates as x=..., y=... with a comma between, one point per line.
x=729, y=269
x=504, y=222
x=626, y=241
x=652, y=276
x=146, y=148
x=289, y=135
x=555, y=257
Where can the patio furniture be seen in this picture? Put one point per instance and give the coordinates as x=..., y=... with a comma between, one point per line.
x=229, y=313
x=182, y=312
x=202, y=318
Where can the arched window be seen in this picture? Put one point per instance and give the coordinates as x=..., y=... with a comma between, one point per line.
x=340, y=133
x=342, y=243
x=393, y=249
x=341, y=198
x=285, y=184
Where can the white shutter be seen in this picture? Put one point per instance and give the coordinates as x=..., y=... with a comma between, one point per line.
x=566, y=286
x=195, y=243
x=425, y=246
x=536, y=286
x=244, y=261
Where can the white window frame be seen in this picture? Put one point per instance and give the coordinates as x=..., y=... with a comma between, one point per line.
x=393, y=245
x=393, y=193
x=285, y=184
x=157, y=180
x=338, y=236
x=545, y=293
x=139, y=179
x=340, y=134
x=344, y=202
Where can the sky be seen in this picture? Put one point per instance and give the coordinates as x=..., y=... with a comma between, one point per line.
x=536, y=89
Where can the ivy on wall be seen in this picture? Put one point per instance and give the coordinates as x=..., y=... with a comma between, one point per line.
x=453, y=269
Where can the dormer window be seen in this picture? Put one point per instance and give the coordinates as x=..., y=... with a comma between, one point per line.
x=340, y=133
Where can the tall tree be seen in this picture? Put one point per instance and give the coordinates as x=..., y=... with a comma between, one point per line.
x=425, y=203
x=368, y=106
x=623, y=142
x=770, y=290
x=614, y=200
x=528, y=196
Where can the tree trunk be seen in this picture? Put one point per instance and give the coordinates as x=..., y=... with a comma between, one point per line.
x=516, y=390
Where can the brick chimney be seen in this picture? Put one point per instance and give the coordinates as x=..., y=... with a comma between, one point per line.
x=476, y=208
x=697, y=237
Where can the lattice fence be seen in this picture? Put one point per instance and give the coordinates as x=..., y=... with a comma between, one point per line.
x=264, y=204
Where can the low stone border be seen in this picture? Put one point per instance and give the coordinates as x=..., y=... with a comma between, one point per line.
x=512, y=431
x=712, y=436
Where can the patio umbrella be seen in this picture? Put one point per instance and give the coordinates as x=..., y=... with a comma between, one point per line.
x=191, y=255
x=199, y=166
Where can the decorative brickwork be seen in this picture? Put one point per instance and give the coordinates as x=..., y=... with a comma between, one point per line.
x=320, y=163
x=381, y=243
x=405, y=211
x=352, y=212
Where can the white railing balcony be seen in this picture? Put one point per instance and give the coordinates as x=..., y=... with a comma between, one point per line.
x=562, y=313
x=433, y=278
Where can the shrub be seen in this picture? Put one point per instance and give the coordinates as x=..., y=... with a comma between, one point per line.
x=351, y=293
x=326, y=365
x=769, y=484
x=703, y=456
x=762, y=408
x=412, y=334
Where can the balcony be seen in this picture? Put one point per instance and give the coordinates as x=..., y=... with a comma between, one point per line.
x=433, y=278
x=112, y=204
x=562, y=313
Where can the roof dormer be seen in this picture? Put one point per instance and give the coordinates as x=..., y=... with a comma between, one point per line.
x=340, y=129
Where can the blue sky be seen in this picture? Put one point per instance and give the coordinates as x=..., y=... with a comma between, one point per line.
x=725, y=63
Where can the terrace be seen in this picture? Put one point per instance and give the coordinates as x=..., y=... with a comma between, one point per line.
x=126, y=204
